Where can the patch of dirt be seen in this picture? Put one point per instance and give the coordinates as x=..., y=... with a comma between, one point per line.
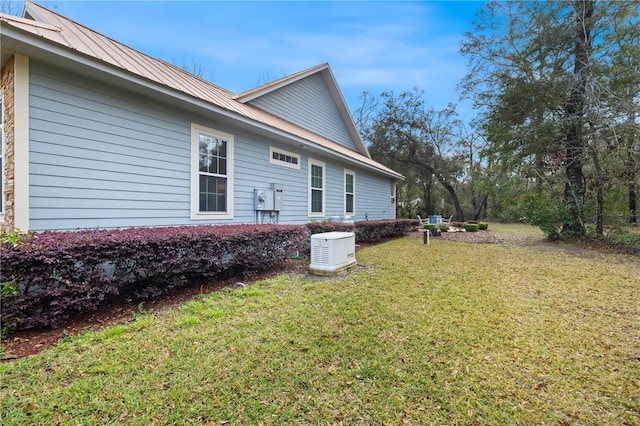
x=480, y=237
x=586, y=248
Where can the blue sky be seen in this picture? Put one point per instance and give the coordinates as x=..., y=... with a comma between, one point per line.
x=372, y=46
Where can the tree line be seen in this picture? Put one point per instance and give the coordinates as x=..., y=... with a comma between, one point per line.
x=556, y=139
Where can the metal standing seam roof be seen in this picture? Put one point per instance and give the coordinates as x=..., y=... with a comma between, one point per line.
x=67, y=33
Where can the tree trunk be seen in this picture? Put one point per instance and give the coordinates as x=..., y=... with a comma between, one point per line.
x=478, y=210
x=450, y=189
x=633, y=193
x=428, y=204
x=599, y=190
x=454, y=197
x=574, y=191
x=631, y=165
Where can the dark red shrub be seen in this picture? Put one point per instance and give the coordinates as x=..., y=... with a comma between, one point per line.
x=366, y=231
x=54, y=274
x=320, y=227
x=376, y=230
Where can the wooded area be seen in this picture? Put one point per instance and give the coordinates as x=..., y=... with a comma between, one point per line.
x=556, y=139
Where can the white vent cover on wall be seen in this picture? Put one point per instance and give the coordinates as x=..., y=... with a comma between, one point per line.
x=332, y=253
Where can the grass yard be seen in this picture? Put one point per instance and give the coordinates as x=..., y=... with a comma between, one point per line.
x=450, y=333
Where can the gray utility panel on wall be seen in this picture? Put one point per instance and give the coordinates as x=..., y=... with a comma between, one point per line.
x=269, y=199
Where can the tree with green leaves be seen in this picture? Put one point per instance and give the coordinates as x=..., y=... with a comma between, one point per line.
x=538, y=75
x=575, y=111
x=403, y=133
x=621, y=76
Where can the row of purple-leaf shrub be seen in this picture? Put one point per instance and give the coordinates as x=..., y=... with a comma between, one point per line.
x=365, y=231
x=48, y=276
x=372, y=231
x=320, y=227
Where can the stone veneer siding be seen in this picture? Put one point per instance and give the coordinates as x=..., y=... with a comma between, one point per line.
x=7, y=91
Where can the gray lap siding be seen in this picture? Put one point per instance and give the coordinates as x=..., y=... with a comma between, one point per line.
x=307, y=103
x=102, y=157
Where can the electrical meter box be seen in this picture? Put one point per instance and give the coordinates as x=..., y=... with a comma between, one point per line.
x=269, y=199
x=263, y=199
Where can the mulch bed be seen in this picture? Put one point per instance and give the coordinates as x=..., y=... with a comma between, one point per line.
x=480, y=237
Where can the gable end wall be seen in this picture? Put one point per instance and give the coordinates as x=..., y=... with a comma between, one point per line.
x=321, y=116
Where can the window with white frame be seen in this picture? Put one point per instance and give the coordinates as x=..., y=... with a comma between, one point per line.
x=349, y=192
x=284, y=158
x=211, y=173
x=316, y=187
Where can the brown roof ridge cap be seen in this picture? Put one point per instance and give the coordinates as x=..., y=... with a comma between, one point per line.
x=30, y=4
x=126, y=47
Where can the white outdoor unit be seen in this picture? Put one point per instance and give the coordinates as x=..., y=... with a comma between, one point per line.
x=332, y=253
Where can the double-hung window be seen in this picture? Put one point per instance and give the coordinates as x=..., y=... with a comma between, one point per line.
x=211, y=173
x=316, y=188
x=349, y=193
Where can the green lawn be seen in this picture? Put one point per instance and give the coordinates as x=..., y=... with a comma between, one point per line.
x=449, y=333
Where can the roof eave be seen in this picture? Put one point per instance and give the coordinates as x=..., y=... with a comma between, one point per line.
x=344, y=111
x=32, y=45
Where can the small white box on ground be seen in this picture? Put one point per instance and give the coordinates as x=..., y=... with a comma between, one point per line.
x=332, y=253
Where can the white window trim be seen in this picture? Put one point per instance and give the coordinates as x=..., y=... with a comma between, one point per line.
x=283, y=163
x=322, y=164
x=352, y=173
x=196, y=129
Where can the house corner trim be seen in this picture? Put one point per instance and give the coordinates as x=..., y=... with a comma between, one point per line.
x=21, y=142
